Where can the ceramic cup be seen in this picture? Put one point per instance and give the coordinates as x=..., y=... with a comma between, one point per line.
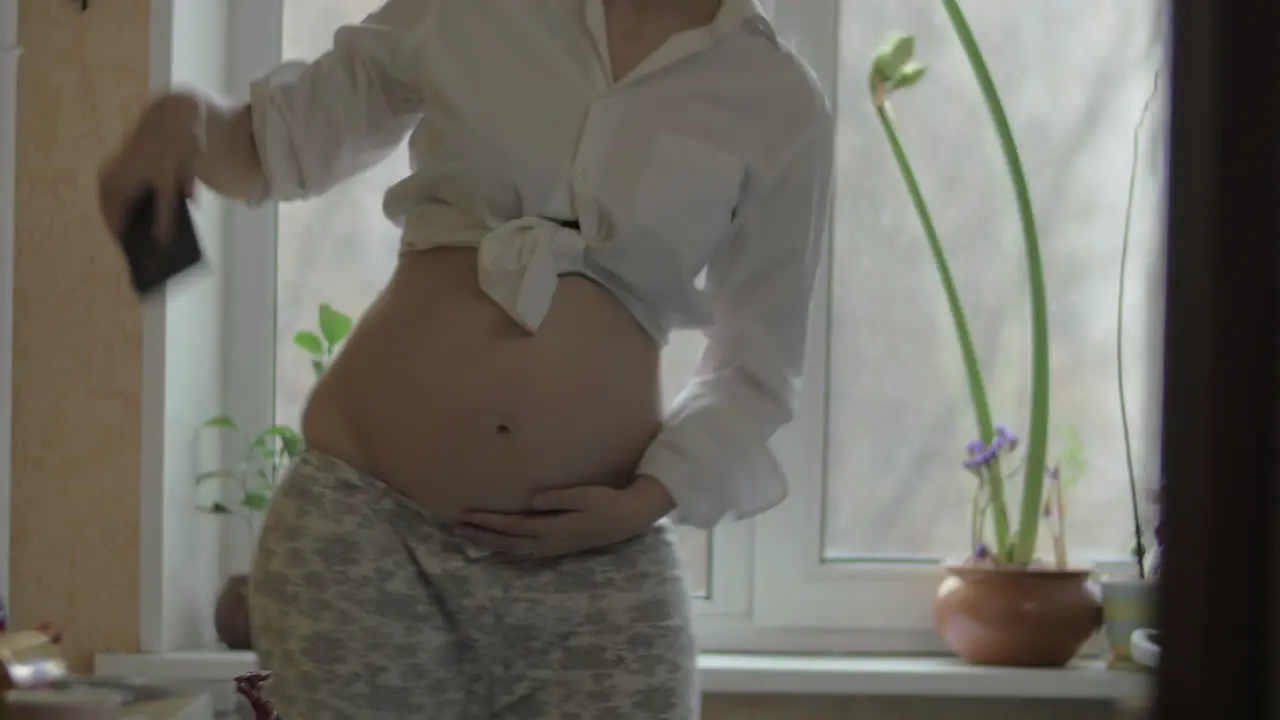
x=1145, y=648
x=1127, y=605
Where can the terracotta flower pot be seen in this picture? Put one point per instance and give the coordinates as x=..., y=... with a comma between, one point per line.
x=231, y=614
x=1016, y=617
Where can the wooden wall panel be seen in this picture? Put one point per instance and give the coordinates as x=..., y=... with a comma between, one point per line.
x=77, y=331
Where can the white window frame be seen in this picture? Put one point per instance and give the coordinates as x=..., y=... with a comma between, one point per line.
x=9, y=54
x=182, y=384
x=769, y=589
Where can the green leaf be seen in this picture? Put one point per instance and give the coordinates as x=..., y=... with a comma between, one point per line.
x=334, y=325
x=217, y=509
x=279, y=431
x=256, y=501
x=214, y=475
x=909, y=75
x=262, y=446
x=221, y=421
x=309, y=342
x=266, y=443
x=892, y=56
x=290, y=440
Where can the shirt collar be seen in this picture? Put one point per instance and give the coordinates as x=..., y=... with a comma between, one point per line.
x=736, y=15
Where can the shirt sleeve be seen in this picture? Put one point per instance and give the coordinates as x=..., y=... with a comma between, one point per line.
x=318, y=123
x=713, y=454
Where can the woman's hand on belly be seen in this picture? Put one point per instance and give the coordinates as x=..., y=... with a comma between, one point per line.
x=570, y=520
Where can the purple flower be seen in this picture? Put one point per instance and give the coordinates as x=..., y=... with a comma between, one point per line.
x=1007, y=440
x=979, y=460
x=978, y=455
x=982, y=551
x=1010, y=442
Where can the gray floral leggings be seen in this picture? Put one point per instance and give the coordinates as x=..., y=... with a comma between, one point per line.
x=365, y=608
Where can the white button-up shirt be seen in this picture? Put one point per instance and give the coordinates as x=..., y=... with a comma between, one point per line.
x=714, y=155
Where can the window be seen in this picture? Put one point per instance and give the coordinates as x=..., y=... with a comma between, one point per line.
x=877, y=497
x=889, y=332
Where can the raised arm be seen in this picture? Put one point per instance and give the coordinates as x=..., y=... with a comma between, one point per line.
x=309, y=126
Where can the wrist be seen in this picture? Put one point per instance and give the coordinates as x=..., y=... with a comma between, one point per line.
x=649, y=496
x=224, y=150
x=179, y=112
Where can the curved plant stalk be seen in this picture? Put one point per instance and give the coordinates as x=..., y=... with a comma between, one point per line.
x=973, y=372
x=1038, y=427
x=1139, y=548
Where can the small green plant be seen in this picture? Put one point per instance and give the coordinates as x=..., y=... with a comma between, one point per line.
x=252, y=480
x=893, y=68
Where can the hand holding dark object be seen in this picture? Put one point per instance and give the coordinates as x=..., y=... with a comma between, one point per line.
x=154, y=260
x=144, y=187
x=159, y=156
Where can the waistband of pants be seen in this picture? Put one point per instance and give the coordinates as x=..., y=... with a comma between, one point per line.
x=318, y=464
x=314, y=462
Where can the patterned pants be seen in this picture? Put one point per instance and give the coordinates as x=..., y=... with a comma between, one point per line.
x=365, y=608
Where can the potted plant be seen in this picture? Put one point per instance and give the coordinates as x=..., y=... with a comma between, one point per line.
x=1128, y=603
x=1000, y=605
x=249, y=483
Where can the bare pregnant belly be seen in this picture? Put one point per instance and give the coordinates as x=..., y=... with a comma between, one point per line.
x=441, y=395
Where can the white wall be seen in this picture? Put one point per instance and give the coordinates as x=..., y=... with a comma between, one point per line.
x=9, y=52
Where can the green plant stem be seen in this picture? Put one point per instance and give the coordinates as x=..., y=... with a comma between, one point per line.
x=975, y=519
x=977, y=390
x=1139, y=550
x=1038, y=427
x=1061, y=522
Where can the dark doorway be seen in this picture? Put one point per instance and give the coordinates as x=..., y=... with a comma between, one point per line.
x=1219, y=599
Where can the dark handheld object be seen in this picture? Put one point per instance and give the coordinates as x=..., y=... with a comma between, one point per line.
x=151, y=263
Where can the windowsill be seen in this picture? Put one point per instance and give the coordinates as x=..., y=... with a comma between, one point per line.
x=761, y=674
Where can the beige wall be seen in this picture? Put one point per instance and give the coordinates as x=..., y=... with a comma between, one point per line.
x=77, y=375
x=78, y=367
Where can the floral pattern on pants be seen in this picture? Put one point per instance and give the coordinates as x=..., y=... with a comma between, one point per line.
x=365, y=608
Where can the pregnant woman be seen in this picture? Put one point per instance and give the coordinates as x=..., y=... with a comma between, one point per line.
x=476, y=530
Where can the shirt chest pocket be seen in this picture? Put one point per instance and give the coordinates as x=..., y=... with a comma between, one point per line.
x=688, y=192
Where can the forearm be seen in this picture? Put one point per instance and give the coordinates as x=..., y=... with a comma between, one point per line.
x=713, y=458
x=227, y=157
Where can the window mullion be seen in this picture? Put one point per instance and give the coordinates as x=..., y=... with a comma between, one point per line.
x=249, y=273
